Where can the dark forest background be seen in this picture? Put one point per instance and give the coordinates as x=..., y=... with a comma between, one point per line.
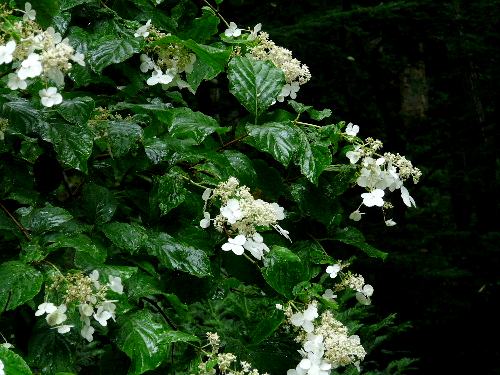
x=423, y=77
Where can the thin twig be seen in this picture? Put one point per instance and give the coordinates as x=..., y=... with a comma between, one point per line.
x=162, y=313
x=216, y=12
x=233, y=141
x=18, y=224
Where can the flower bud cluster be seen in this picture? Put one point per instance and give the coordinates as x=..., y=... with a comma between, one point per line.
x=227, y=363
x=38, y=53
x=378, y=173
x=356, y=282
x=240, y=215
x=167, y=62
x=87, y=295
x=296, y=73
x=325, y=345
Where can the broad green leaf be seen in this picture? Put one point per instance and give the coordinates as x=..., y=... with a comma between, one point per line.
x=186, y=124
x=142, y=285
x=267, y=326
x=20, y=283
x=98, y=203
x=77, y=110
x=68, y=4
x=276, y=138
x=168, y=192
x=165, y=148
x=312, y=157
x=45, y=11
x=50, y=352
x=177, y=336
x=243, y=167
x=122, y=135
x=142, y=336
x=130, y=237
x=354, y=237
x=283, y=270
x=319, y=115
x=111, y=49
x=41, y=220
x=202, y=28
x=85, y=248
x=22, y=116
x=13, y=363
x=256, y=84
x=72, y=142
x=177, y=255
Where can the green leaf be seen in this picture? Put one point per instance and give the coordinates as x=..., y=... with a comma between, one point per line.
x=177, y=336
x=129, y=237
x=85, y=249
x=77, y=110
x=255, y=84
x=319, y=115
x=122, y=135
x=168, y=192
x=354, y=237
x=202, y=28
x=276, y=138
x=142, y=336
x=99, y=203
x=283, y=270
x=50, y=352
x=72, y=142
x=176, y=255
x=22, y=116
x=267, y=326
x=312, y=157
x=68, y=4
x=45, y=219
x=186, y=124
x=13, y=363
x=111, y=49
x=142, y=285
x=45, y=11
x=20, y=283
x=243, y=167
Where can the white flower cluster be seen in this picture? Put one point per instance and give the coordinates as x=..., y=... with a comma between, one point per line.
x=296, y=73
x=240, y=215
x=325, y=346
x=379, y=173
x=2, y=371
x=226, y=362
x=169, y=61
x=357, y=282
x=38, y=53
x=87, y=293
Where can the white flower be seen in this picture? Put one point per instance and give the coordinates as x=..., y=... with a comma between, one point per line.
x=7, y=345
x=94, y=276
x=57, y=317
x=289, y=90
x=282, y=231
x=189, y=67
x=255, y=31
x=278, y=210
x=333, y=270
x=304, y=319
x=29, y=12
x=45, y=308
x=354, y=155
x=143, y=30
x=328, y=294
x=205, y=222
x=2, y=372
x=407, y=199
x=159, y=77
x=279, y=306
x=6, y=52
x=86, y=309
x=102, y=316
x=231, y=211
x=146, y=63
x=115, y=284
x=31, y=67
x=256, y=246
x=352, y=129
x=235, y=244
x=373, y=198
x=232, y=30
x=50, y=97
x=356, y=215
x=364, y=295
x=78, y=58
x=390, y=223
x=87, y=332
x=206, y=194
x=64, y=328
x=15, y=82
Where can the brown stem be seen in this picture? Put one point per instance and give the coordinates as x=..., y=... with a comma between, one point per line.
x=18, y=224
x=233, y=141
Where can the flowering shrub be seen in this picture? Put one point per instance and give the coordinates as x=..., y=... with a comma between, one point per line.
x=134, y=228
